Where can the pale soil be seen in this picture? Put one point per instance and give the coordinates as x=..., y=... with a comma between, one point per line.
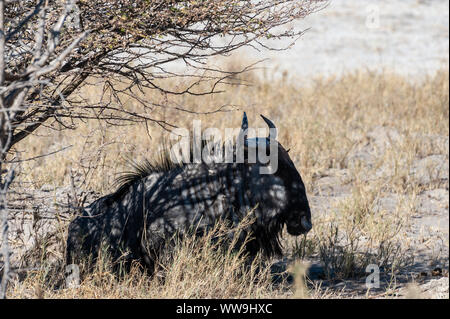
x=409, y=37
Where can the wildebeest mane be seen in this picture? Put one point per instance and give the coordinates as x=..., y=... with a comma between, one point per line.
x=139, y=170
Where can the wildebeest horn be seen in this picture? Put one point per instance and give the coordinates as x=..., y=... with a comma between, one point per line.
x=244, y=125
x=271, y=125
x=243, y=132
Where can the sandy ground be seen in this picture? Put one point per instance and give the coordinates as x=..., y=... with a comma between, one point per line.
x=406, y=36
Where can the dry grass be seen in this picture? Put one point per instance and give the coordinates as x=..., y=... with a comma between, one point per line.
x=323, y=124
x=212, y=266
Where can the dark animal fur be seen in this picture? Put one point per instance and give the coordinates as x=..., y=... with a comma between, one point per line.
x=154, y=201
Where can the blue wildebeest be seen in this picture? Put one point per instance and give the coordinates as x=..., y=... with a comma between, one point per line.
x=156, y=202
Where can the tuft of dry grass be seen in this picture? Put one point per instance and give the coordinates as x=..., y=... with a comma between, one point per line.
x=322, y=123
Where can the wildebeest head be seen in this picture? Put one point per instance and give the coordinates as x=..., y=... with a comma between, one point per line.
x=296, y=212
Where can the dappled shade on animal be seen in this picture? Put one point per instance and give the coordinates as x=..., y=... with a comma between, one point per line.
x=155, y=202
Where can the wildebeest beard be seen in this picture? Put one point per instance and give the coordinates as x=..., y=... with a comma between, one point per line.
x=155, y=202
